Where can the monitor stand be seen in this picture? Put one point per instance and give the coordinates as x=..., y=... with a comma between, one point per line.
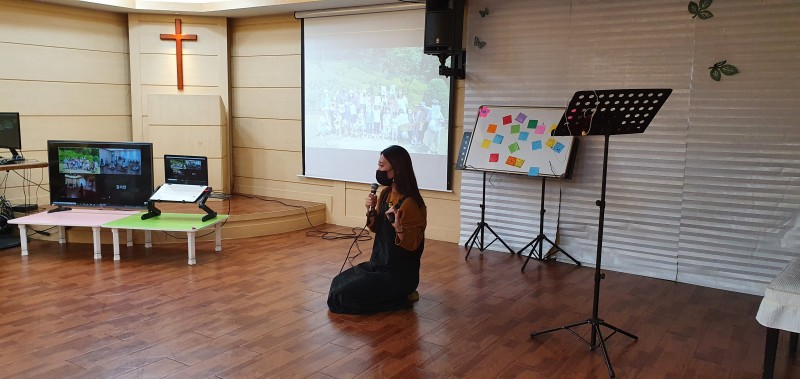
x=15, y=156
x=59, y=209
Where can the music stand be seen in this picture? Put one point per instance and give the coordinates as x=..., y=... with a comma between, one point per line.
x=606, y=113
x=477, y=235
x=539, y=240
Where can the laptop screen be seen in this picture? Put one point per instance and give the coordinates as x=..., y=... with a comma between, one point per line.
x=186, y=169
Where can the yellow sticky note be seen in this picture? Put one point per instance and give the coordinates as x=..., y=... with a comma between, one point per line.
x=550, y=142
x=486, y=143
x=553, y=127
x=519, y=162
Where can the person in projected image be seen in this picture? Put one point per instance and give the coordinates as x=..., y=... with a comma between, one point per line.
x=398, y=217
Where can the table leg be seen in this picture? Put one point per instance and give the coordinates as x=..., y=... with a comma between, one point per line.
x=96, y=241
x=191, y=236
x=217, y=237
x=62, y=235
x=148, y=238
x=130, y=237
x=793, y=343
x=23, y=238
x=769, y=353
x=115, y=238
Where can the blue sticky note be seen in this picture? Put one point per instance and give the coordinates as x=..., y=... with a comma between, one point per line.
x=523, y=136
x=498, y=139
x=536, y=145
x=534, y=171
x=558, y=147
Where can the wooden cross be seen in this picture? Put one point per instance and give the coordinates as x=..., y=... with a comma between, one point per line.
x=179, y=38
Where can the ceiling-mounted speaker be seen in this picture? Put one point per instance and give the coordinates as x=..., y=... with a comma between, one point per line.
x=439, y=32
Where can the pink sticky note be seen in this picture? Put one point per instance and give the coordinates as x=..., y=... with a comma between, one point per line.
x=540, y=129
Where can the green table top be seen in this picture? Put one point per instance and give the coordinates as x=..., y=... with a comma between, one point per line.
x=171, y=222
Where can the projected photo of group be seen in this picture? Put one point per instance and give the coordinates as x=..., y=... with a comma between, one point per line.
x=367, y=85
x=371, y=117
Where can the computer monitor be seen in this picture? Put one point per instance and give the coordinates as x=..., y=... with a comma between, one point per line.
x=100, y=174
x=10, y=137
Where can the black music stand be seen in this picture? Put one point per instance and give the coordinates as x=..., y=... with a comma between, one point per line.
x=477, y=235
x=539, y=240
x=606, y=113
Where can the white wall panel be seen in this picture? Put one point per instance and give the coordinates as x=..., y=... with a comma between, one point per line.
x=708, y=194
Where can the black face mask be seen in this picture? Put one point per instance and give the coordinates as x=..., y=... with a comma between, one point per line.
x=383, y=178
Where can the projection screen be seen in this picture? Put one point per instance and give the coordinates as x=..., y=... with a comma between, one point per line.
x=367, y=85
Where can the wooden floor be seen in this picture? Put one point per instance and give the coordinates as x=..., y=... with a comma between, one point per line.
x=257, y=309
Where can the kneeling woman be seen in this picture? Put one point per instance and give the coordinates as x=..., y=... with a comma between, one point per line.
x=389, y=280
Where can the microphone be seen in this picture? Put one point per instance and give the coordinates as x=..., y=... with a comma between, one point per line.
x=373, y=188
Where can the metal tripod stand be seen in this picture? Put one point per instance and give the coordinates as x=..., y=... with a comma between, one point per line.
x=539, y=240
x=478, y=234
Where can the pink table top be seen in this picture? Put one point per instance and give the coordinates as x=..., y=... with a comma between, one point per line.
x=74, y=217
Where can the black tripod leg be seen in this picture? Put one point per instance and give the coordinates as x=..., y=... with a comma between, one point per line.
x=558, y=248
x=499, y=239
x=472, y=239
x=565, y=327
x=526, y=246
x=618, y=330
x=596, y=329
x=537, y=241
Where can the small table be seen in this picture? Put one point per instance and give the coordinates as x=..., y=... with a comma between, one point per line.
x=93, y=218
x=780, y=310
x=168, y=222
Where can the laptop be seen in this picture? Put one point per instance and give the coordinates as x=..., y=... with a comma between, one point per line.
x=185, y=179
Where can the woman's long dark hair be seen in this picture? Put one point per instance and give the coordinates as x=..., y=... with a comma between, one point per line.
x=404, y=178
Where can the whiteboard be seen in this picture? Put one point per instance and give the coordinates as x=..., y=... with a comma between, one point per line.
x=518, y=140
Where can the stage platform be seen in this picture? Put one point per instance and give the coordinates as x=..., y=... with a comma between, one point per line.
x=250, y=216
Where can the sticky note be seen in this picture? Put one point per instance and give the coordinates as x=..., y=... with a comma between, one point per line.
x=533, y=171
x=532, y=124
x=521, y=118
x=494, y=157
x=492, y=128
x=519, y=163
x=514, y=147
x=498, y=139
x=540, y=129
x=511, y=161
x=485, y=144
x=550, y=142
x=506, y=120
x=536, y=145
x=515, y=129
x=523, y=136
x=558, y=147
x=553, y=127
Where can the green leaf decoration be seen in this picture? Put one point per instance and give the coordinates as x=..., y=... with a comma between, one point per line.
x=729, y=69
x=722, y=68
x=705, y=15
x=701, y=10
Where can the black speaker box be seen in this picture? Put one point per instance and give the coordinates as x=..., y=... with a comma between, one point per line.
x=439, y=32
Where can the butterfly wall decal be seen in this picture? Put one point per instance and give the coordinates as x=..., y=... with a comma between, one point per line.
x=480, y=44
